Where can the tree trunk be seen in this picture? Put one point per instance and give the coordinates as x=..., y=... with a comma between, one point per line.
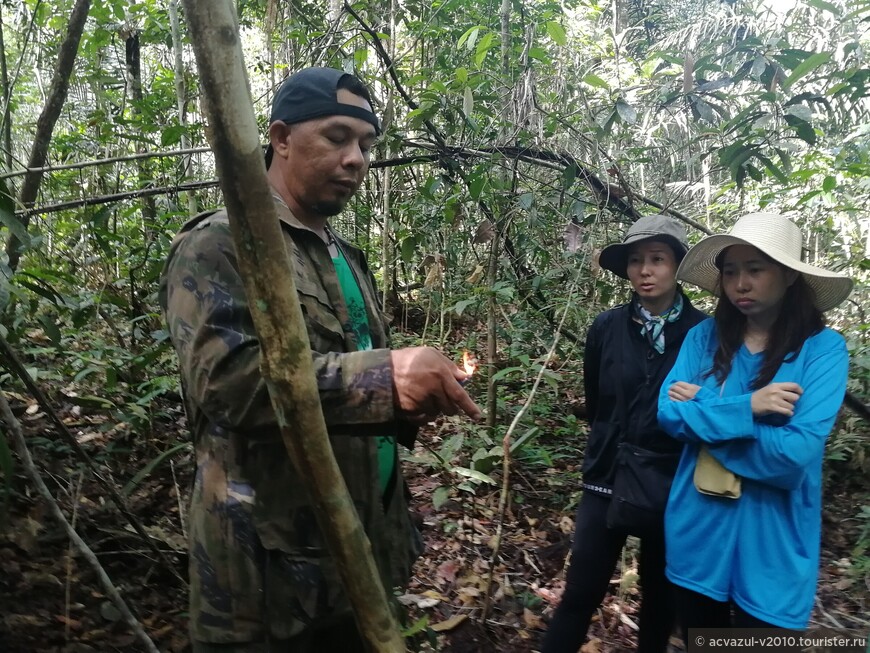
x=47, y=119
x=7, y=99
x=386, y=241
x=180, y=93
x=271, y=22
x=386, y=231
x=269, y=283
x=143, y=166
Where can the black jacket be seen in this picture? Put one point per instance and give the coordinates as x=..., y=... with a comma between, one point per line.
x=617, y=352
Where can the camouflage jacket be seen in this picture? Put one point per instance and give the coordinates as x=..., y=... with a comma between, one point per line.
x=257, y=560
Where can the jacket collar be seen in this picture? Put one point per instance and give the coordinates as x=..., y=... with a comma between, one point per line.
x=286, y=216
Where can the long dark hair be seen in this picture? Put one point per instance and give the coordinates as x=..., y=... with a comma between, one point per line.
x=798, y=319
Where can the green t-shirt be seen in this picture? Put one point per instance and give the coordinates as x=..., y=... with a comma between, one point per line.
x=359, y=324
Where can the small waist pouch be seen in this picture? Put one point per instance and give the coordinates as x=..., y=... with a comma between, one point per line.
x=713, y=479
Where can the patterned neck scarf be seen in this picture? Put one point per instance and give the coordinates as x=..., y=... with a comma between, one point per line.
x=654, y=325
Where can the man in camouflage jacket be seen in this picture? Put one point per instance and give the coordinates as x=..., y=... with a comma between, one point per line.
x=261, y=577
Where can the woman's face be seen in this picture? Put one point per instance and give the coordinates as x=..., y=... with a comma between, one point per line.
x=652, y=270
x=753, y=283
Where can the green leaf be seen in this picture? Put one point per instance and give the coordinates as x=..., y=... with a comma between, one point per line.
x=467, y=101
x=171, y=135
x=557, y=33
x=705, y=111
x=7, y=215
x=608, y=124
x=483, y=48
x=409, y=246
x=86, y=372
x=824, y=6
x=111, y=377
x=360, y=56
x=715, y=84
x=462, y=75
x=569, y=174
x=463, y=304
x=758, y=67
x=524, y=438
x=808, y=196
x=800, y=111
x=753, y=172
x=774, y=169
x=418, y=626
x=91, y=401
x=4, y=293
x=734, y=156
x=440, y=496
x=421, y=114
x=539, y=53
x=50, y=327
x=806, y=66
x=803, y=129
x=451, y=447
x=49, y=293
x=626, y=112
x=505, y=372
x=470, y=37
x=484, y=461
x=475, y=186
x=474, y=475
x=149, y=467
x=829, y=184
x=784, y=159
x=526, y=200
x=595, y=80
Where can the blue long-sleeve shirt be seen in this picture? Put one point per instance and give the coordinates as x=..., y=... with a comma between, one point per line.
x=761, y=550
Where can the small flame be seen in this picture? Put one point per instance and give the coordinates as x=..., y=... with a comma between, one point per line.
x=469, y=362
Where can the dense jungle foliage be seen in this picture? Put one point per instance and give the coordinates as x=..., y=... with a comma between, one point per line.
x=520, y=138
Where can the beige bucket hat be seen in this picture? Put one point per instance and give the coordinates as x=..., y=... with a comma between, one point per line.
x=660, y=228
x=781, y=240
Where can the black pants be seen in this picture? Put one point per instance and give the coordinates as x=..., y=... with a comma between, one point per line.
x=594, y=555
x=700, y=611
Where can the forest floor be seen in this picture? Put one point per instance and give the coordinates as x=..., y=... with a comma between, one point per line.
x=51, y=600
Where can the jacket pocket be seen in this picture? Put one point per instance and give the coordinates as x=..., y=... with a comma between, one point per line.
x=301, y=588
x=324, y=328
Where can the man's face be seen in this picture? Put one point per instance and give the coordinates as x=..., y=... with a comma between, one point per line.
x=326, y=160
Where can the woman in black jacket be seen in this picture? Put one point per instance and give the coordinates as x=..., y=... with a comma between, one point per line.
x=629, y=351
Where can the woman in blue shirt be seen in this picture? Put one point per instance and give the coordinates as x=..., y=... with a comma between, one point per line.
x=753, y=394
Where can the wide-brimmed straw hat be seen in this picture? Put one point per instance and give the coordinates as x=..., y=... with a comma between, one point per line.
x=650, y=227
x=780, y=239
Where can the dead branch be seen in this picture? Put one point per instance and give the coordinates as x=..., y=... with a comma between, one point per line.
x=179, y=188
x=117, y=197
x=99, y=162
x=534, y=156
x=23, y=453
